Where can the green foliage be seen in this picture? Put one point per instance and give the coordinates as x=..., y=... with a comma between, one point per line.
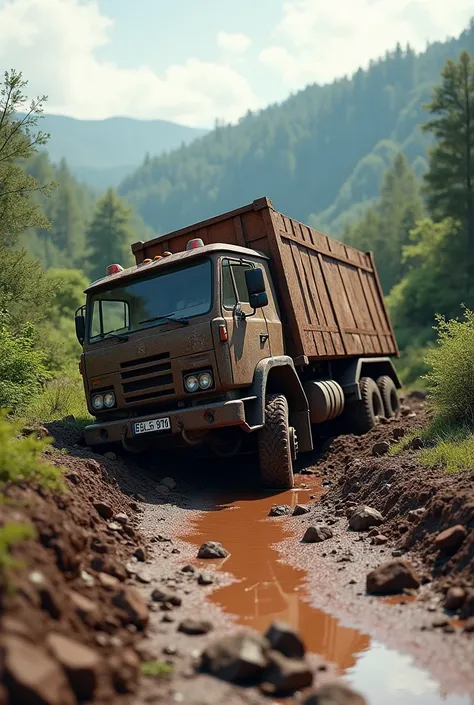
x=109, y=235
x=450, y=380
x=22, y=370
x=61, y=397
x=450, y=179
x=10, y=534
x=20, y=458
x=157, y=669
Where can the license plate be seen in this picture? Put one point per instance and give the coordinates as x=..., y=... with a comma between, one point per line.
x=163, y=424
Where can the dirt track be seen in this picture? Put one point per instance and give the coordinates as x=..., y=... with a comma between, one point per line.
x=328, y=575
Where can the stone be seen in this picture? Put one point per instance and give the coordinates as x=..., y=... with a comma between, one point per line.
x=450, y=539
x=415, y=514
x=279, y=510
x=300, y=509
x=381, y=448
x=103, y=510
x=317, y=533
x=140, y=554
x=454, y=598
x=125, y=669
x=87, y=610
x=398, y=433
x=236, y=658
x=73, y=477
x=467, y=609
x=122, y=518
x=364, y=517
x=162, y=489
x=212, y=549
x=440, y=622
x=168, y=482
x=31, y=675
x=80, y=662
x=164, y=595
x=416, y=443
x=188, y=568
x=205, y=579
x=144, y=577
x=194, y=627
x=334, y=694
x=109, y=582
x=285, y=675
x=379, y=540
x=469, y=625
x=110, y=456
x=286, y=640
x=134, y=606
x=114, y=526
x=392, y=578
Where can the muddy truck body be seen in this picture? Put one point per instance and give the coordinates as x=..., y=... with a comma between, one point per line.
x=247, y=331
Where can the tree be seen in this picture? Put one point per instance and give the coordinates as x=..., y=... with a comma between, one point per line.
x=449, y=183
x=109, y=235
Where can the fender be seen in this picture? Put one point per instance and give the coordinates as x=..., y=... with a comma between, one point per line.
x=348, y=374
x=278, y=375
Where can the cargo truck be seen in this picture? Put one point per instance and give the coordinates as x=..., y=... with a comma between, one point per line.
x=243, y=332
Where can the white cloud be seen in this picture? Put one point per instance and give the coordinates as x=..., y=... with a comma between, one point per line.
x=233, y=42
x=55, y=43
x=317, y=40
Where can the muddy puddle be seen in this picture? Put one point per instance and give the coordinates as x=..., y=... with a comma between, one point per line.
x=268, y=589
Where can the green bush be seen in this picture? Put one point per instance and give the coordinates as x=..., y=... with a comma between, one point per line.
x=22, y=370
x=10, y=534
x=20, y=457
x=450, y=380
x=61, y=397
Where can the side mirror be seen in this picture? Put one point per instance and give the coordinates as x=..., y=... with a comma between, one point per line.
x=258, y=300
x=256, y=287
x=80, y=322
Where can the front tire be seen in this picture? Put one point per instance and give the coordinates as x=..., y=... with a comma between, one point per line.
x=389, y=394
x=363, y=415
x=277, y=445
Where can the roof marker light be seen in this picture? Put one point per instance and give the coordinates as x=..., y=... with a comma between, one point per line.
x=194, y=244
x=157, y=257
x=114, y=269
x=147, y=261
x=167, y=253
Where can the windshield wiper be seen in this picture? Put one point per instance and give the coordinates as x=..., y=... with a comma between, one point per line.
x=120, y=336
x=165, y=317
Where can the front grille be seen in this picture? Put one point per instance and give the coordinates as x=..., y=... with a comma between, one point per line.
x=151, y=375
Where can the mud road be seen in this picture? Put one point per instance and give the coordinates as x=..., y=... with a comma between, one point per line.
x=402, y=649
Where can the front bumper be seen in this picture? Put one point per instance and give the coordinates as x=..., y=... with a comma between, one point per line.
x=197, y=418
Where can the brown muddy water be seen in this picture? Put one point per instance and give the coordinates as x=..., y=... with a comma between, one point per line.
x=268, y=589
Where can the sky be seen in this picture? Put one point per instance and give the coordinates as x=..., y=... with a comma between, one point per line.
x=195, y=61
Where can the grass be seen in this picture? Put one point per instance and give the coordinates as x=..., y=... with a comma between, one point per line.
x=156, y=669
x=62, y=397
x=10, y=534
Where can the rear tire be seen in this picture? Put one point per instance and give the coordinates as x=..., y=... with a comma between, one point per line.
x=363, y=415
x=277, y=445
x=389, y=394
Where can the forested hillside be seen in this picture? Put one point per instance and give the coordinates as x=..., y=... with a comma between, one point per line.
x=320, y=156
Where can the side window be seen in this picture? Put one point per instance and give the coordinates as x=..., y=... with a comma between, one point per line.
x=234, y=286
x=109, y=316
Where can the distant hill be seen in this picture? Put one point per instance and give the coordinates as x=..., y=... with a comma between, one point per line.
x=320, y=155
x=102, y=152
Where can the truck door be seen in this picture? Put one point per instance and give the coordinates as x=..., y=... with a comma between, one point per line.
x=248, y=338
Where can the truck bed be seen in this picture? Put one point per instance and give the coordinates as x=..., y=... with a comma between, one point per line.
x=329, y=293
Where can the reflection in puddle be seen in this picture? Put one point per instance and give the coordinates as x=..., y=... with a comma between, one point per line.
x=270, y=590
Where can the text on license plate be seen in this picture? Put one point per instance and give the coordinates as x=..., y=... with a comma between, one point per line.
x=163, y=424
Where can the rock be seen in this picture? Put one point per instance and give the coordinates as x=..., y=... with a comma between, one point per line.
x=279, y=510
x=392, y=578
x=469, y=625
x=188, y=568
x=381, y=448
x=468, y=605
x=87, y=610
x=300, y=509
x=212, y=549
x=286, y=640
x=122, y=518
x=285, y=675
x=451, y=539
x=162, y=489
x=194, y=627
x=398, y=433
x=80, y=663
x=454, y=598
x=205, y=579
x=364, y=517
x=164, y=595
x=416, y=443
x=73, y=477
x=125, y=669
x=379, y=540
x=110, y=456
x=104, y=510
x=236, y=658
x=440, y=622
x=133, y=604
x=415, y=514
x=140, y=553
x=334, y=694
x=144, y=577
x=109, y=582
x=48, y=599
x=10, y=625
x=31, y=676
x=169, y=482
x=317, y=533
x=114, y=526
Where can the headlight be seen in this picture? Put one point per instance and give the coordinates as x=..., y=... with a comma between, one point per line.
x=205, y=380
x=98, y=401
x=109, y=399
x=191, y=383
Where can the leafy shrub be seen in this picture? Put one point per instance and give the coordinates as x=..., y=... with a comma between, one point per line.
x=22, y=371
x=10, y=534
x=61, y=397
x=20, y=457
x=450, y=380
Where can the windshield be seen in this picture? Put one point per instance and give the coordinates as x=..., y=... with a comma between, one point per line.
x=140, y=303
